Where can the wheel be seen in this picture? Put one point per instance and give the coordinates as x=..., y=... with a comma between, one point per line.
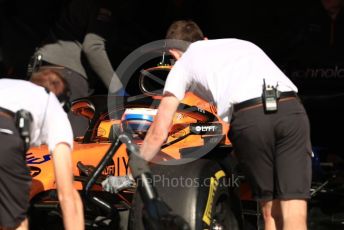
x=197, y=191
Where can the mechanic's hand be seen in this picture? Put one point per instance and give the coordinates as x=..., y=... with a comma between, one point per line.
x=115, y=184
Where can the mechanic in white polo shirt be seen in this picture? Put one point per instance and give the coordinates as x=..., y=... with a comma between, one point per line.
x=270, y=136
x=47, y=124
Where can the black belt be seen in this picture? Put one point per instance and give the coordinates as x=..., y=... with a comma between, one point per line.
x=6, y=113
x=259, y=101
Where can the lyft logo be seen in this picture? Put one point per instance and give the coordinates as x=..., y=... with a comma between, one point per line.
x=205, y=128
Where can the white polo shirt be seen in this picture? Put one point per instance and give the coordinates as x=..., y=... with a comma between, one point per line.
x=50, y=123
x=225, y=72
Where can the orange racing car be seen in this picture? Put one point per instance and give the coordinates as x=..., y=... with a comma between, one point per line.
x=193, y=172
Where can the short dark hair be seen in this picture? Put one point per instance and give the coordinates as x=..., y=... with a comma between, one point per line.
x=186, y=30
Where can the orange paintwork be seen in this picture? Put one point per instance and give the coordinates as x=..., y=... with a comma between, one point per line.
x=91, y=153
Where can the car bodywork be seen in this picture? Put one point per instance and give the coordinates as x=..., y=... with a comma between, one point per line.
x=91, y=148
x=195, y=124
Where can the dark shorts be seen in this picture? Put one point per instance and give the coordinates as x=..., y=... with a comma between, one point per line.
x=274, y=150
x=15, y=179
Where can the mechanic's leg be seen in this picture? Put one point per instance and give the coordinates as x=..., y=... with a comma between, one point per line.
x=271, y=211
x=293, y=164
x=294, y=214
x=24, y=225
x=255, y=156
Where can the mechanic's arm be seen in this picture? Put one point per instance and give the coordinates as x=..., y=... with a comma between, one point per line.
x=94, y=48
x=159, y=129
x=71, y=205
x=101, y=26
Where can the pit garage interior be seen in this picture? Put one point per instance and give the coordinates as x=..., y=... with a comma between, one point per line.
x=298, y=35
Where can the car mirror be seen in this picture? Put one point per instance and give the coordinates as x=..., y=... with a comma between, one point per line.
x=83, y=108
x=152, y=80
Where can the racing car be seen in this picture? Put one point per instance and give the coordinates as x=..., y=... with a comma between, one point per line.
x=194, y=175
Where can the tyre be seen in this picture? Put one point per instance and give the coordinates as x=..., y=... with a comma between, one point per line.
x=197, y=191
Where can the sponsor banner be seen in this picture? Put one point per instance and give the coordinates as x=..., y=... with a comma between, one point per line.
x=317, y=72
x=317, y=77
x=206, y=128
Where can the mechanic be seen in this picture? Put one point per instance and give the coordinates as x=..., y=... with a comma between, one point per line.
x=31, y=115
x=76, y=43
x=271, y=136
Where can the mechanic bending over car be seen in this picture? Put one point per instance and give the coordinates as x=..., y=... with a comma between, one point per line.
x=269, y=130
x=32, y=115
